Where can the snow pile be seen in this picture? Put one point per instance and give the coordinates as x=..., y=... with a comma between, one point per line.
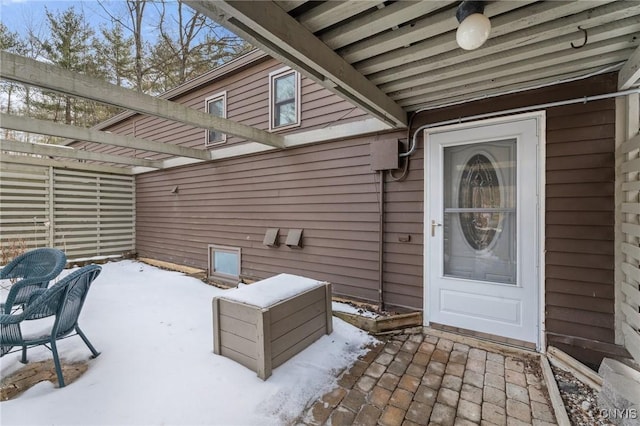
x=272, y=290
x=154, y=331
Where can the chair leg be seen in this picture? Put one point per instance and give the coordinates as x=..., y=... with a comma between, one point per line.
x=87, y=342
x=56, y=361
x=24, y=355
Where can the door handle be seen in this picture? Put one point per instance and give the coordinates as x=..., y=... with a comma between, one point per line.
x=433, y=227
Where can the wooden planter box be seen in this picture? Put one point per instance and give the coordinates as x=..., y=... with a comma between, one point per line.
x=382, y=324
x=262, y=325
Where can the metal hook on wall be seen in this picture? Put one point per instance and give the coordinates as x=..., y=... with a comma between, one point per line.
x=585, y=38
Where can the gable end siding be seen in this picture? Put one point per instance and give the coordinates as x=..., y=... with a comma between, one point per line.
x=247, y=103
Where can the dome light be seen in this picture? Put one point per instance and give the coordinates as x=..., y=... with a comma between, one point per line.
x=474, y=27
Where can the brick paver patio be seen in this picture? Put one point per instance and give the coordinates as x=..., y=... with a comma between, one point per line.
x=408, y=379
x=36, y=372
x=423, y=379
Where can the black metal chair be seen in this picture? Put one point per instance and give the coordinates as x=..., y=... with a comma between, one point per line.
x=31, y=271
x=64, y=301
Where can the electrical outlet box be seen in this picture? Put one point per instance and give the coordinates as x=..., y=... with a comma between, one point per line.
x=384, y=154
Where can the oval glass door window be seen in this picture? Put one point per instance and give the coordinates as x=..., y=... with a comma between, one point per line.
x=479, y=190
x=479, y=235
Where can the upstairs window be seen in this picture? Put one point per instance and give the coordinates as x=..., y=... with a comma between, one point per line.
x=284, y=99
x=216, y=105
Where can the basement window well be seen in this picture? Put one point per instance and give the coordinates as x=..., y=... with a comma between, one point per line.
x=224, y=263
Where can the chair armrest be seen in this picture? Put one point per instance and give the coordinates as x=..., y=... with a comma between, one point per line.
x=10, y=319
x=30, y=281
x=6, y=270
x=14, y=292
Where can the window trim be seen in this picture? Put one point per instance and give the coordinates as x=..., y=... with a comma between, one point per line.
x=220, y=95
x=282, y=72
x=211, y=250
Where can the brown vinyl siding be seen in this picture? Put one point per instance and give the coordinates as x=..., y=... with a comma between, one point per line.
x=247, y=103
x=331, y=192
x=328, y=190
x=579, y=291
x=580, y=190
x=403, y=261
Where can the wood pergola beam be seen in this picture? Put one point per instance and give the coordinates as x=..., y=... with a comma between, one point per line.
x=67, y=165
x=68, y=152
x=39, y=74
x=44, y=127
x=266, y=25
x=630, y=71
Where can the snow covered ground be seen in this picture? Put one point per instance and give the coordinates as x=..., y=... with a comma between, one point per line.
x=154, y=331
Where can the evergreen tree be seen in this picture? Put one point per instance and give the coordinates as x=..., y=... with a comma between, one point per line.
x=185, y=44
x=69, y=46
x=114, y=61
x=9, y=41
x=114, y=54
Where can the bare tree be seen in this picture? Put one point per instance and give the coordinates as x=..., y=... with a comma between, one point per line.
x=136, y=12
x=132, y=21
x=182, y=45
x=189, y=45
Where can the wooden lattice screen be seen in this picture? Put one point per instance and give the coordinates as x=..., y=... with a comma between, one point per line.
x=83, y=212
x=630, y=286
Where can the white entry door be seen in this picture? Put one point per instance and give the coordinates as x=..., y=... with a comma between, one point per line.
x=481, y=228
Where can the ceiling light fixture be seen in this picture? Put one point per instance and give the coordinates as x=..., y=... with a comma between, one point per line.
x=474, y=27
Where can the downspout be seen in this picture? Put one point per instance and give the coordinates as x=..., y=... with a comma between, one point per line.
x=381, y=245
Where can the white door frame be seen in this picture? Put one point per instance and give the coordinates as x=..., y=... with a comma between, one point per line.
x=540, y=116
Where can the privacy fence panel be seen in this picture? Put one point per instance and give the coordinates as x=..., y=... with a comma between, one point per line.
x=25, y=205
x=93, y=212
x=83, y=212
x=631, y=245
